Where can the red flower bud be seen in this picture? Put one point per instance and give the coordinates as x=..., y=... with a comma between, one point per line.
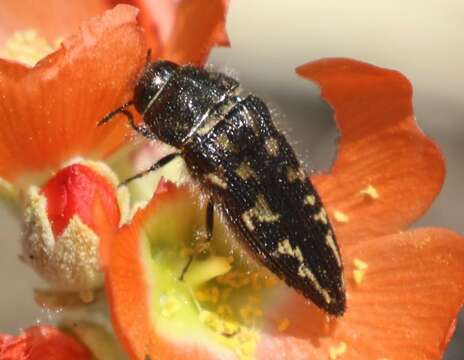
x=79, y=190
x=40, y=343
x=64, y=222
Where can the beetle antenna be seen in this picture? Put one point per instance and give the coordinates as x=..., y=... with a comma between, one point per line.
x=110, y=115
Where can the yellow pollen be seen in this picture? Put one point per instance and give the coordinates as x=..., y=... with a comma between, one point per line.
x=219, y=325
x=170, y=306
x=250, y=313
x=28, y=47
x=283, y=325
x=225, y=311
x=208, y=295
x=359, y=264
x=336, y=351
x=370, y=191
x=234, y=279
x=341, y=217
x=358, y=276
x=254, y=299
x=225, y=294
x=360, y=270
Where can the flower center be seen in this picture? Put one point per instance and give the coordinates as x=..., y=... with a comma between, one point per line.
x=222, y=295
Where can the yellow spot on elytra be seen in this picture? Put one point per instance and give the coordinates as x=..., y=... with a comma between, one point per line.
x=331, y=243
x=244, y=171
x=370, y=191
x=336, y=351
x=225, y=143
x=283, y=325
x=272, y=146
x=341, y=217
x=321, y=216
x=310, y=200
x=261, y=212
x=216, y=180
x=246, y=217
x=169, y=306
x=305, y=272
x=28, y=47
x=360, y=270
x=295, y=174
x=285, y=248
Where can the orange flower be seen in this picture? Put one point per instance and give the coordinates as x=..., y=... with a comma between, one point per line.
x=42, y=343
x=49, y=115
x=404, y=288
x=53, y=158
x=168, y=25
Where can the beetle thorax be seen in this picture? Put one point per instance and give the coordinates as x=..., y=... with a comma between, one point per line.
x=174, y=100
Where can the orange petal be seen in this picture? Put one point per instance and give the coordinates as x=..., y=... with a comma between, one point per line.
x=155, y=17
x=51, y=18
x=405, y=308
x=127, y=289
x=49, y=113
x=42, y=343
x=198, y=26
x=380, y=148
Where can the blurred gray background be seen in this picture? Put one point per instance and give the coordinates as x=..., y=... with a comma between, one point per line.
x=421, y=38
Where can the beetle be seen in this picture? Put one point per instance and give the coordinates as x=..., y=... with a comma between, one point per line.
x=247, y=168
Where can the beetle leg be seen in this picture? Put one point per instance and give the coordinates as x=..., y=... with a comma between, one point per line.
x=209, y=235
x=141, y=129
x=160, y=163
